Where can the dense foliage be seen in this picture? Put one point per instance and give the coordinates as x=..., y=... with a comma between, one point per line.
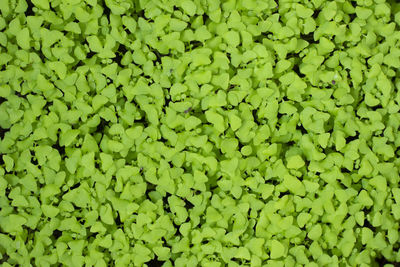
x=199, y=132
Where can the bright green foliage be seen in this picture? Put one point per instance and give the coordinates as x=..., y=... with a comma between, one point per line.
x=199, y=133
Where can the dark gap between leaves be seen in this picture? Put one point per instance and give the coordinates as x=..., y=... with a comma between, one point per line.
x=301, y=129
x=57, y=234
x=75, y=186
x=155, y=263
x=29, y=10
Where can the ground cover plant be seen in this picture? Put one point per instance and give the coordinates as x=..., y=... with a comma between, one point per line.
x=199, y=133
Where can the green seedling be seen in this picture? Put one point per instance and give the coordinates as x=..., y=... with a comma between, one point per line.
x=199, y=133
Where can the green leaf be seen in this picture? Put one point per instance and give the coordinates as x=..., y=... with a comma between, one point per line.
x=106, y=214
x=189, y=7
x=23, y=38
x=216, y=119
x=277, y=249
x=43, y=4
x=295, y=162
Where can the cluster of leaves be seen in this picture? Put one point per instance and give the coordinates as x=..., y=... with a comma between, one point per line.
x=199, y=132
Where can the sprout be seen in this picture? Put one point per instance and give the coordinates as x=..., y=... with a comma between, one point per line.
x=199, y=133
